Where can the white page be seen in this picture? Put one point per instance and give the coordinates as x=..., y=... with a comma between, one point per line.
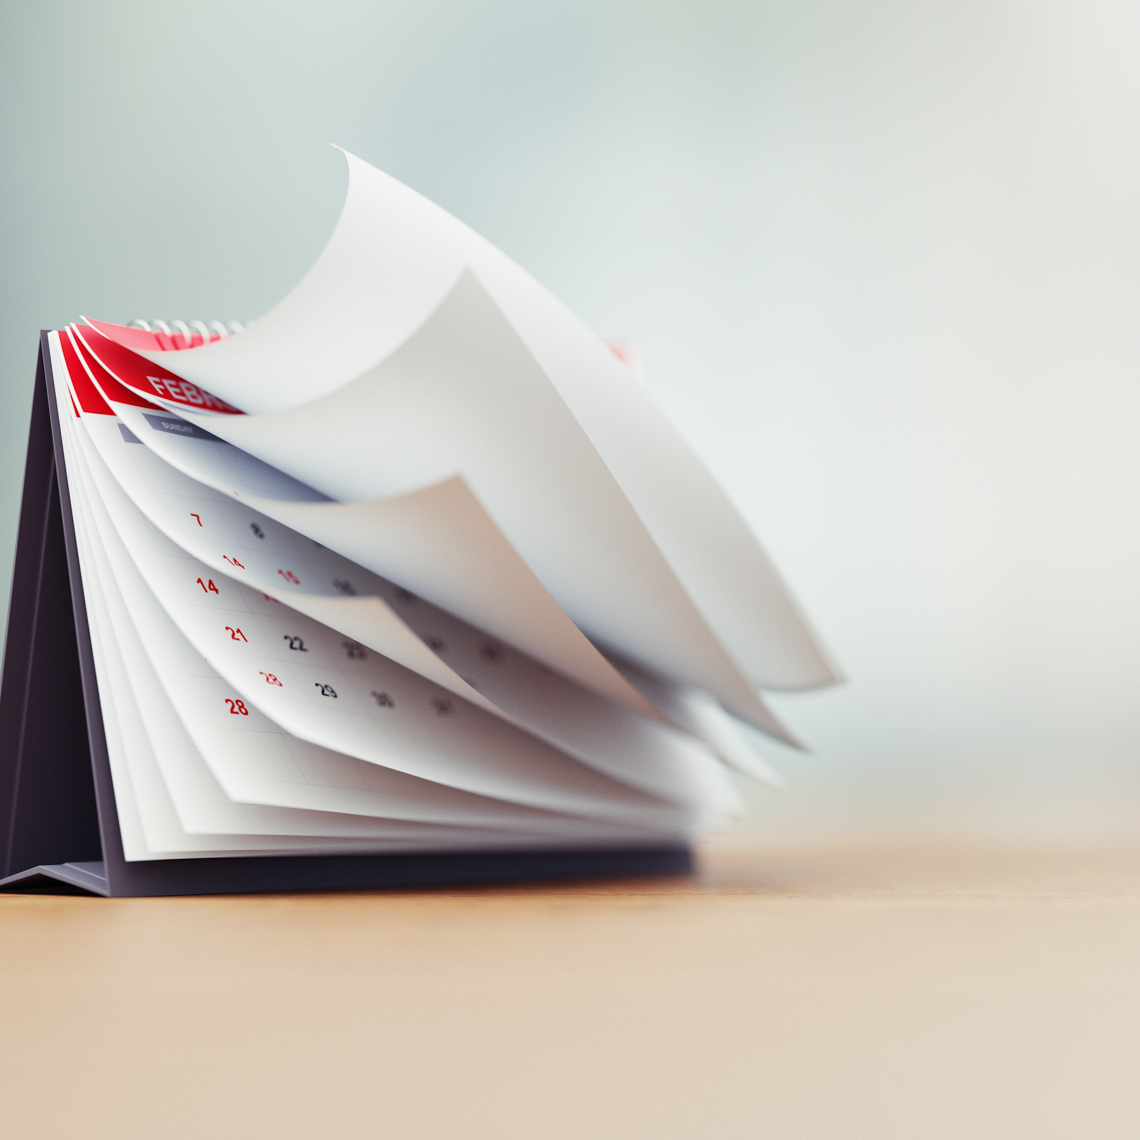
x=417, y=727
x=266, y=757
x=217, y=529
x=390, y=262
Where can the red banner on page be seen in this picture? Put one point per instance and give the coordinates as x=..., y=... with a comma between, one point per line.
x=83, y=390
x=148, y=379
x=111, y=389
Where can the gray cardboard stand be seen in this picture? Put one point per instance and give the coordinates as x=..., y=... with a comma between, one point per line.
x=59, y=830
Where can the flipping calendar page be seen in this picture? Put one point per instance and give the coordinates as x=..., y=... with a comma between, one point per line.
x=411, y=564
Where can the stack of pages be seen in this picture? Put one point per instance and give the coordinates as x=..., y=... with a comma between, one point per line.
x=411, y=564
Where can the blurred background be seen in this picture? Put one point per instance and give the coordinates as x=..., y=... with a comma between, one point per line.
x=879, y=259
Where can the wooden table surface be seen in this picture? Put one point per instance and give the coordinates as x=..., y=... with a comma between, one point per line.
x=840, y=994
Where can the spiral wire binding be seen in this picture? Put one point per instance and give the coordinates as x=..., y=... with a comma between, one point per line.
x=209, y=331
